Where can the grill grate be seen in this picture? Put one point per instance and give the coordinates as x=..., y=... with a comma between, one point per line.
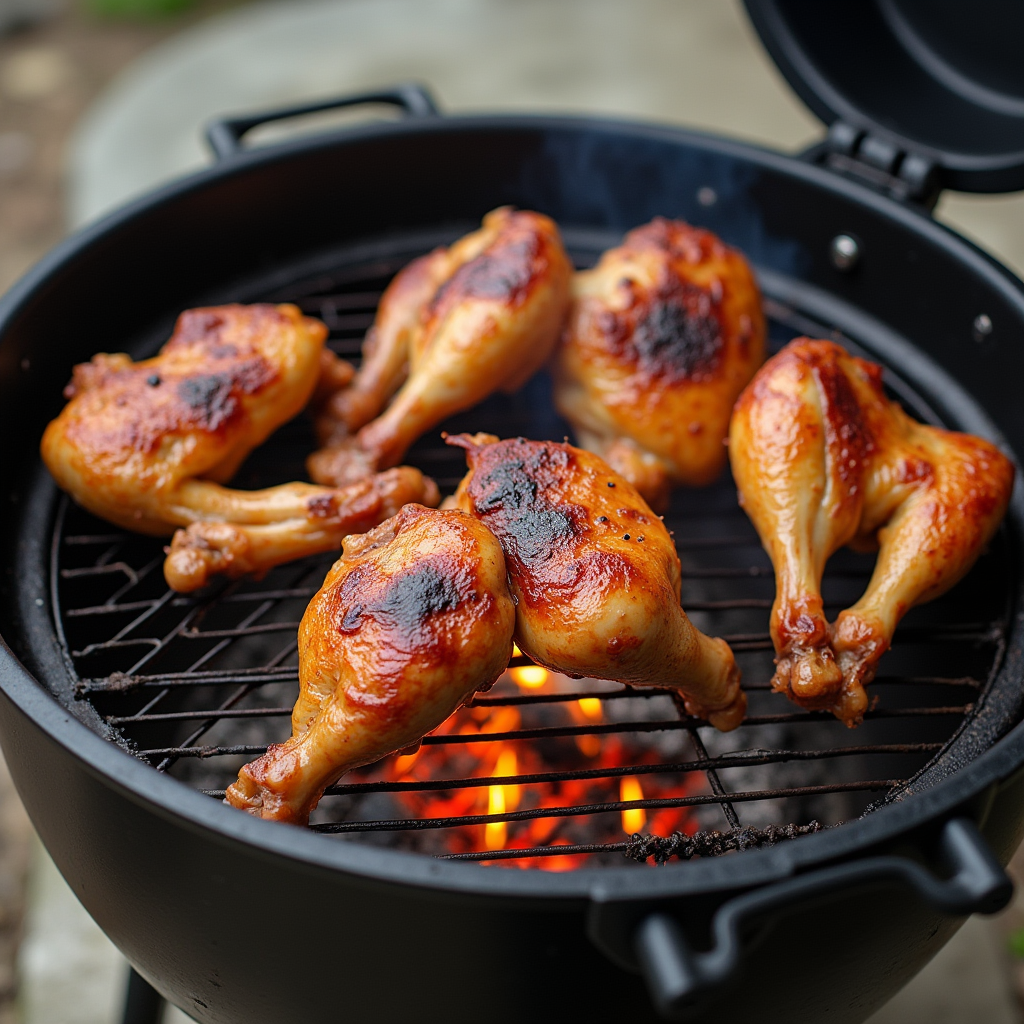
x=197, y=685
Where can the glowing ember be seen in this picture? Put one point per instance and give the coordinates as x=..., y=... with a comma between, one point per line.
x=634, y=818
x=476, y=756
x=495, y=832
x=499, y=800
x=405, y=761
x=529, y=677
x=589, y=744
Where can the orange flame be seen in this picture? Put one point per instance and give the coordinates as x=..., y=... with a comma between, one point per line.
x=498, y=760
x=501, y=799
x=529, y=677
x=633, y=819
x=590, y=745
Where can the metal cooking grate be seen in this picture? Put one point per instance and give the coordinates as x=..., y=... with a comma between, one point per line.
x=197, y=685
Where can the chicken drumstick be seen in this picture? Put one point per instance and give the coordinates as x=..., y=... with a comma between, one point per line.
x=594, y=572
x=663, y=335
x=147, y=445
x=412, y=620
x=455, y=326
x=822, y=458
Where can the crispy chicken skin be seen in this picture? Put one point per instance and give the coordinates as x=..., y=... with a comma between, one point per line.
x=822, y=458
x=148, y=445
x=414, y=618
x=663, y=335
x=594, y=573
x=452, y=328
x=251, y=531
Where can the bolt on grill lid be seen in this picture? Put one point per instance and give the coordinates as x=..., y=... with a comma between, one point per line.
x=930, y=92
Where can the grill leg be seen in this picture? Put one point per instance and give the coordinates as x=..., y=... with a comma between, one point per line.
x=142, y=1003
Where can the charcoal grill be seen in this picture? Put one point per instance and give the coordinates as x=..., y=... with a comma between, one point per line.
x=125, y=709
x=179, y=679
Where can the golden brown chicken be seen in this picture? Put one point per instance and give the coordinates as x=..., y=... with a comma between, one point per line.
x=663, y=334
x=822, y=458
x=594, y=573
x=147, y=445
x=412, y=620
x=454, y=326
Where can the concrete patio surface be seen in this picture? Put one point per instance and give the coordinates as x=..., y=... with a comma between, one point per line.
x=692, y=62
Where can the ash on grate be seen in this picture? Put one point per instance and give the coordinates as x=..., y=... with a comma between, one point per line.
x=711, y=843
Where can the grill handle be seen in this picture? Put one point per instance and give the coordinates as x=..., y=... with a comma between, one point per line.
x=680, y=978
x=224, y=136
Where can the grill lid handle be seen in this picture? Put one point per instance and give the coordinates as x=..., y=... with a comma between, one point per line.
x=224, y=136
x=680, y=978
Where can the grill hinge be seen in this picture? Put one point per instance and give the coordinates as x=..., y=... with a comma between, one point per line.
x=855, y=153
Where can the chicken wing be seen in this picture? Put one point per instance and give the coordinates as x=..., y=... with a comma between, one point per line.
x=822, y=458
x=456, y=326
x=412, y=620
x=147, y=445
x=663, y=334
x=594, y=573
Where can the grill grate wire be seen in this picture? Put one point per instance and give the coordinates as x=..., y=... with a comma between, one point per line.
x=196, y=685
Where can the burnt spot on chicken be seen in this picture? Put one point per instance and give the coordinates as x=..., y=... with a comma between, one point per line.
x=403, y=604
x=679, y=336
x=509, y=491
x=213, y=397
x=502, y=273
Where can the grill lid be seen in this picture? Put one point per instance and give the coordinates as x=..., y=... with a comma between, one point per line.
x=927, y=93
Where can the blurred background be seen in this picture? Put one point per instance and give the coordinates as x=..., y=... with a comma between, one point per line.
x=102, y=100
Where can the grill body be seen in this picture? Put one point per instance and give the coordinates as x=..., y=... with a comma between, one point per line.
x=240, y=920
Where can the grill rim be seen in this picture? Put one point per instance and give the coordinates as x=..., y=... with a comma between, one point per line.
x=100, y=759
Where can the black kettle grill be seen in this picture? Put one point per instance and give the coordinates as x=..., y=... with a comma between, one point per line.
x=850, y=858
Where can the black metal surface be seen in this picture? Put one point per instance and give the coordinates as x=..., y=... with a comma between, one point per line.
x=194, y=893
x=142, y=1003
x=195, y=685
x=918, y=81
x=225, y=135
x=679, y=978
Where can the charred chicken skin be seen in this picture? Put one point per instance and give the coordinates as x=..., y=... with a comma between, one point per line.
x=823, y=458
x=663, y=335
x=452, y=328
x=148, y=445
x=414, y=618
x=594, y=573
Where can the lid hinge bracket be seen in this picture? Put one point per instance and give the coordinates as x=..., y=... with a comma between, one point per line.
x=857, y=154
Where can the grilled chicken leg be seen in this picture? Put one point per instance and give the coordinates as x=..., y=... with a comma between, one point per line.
x=148, y=445
x=456, y=326
x=594, y=572
x=663, y=334
x=412, y=620
x=822, y=458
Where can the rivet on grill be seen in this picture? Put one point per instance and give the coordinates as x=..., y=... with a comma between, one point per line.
x=982, y=327
x=707, y=196
x=844, y=252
